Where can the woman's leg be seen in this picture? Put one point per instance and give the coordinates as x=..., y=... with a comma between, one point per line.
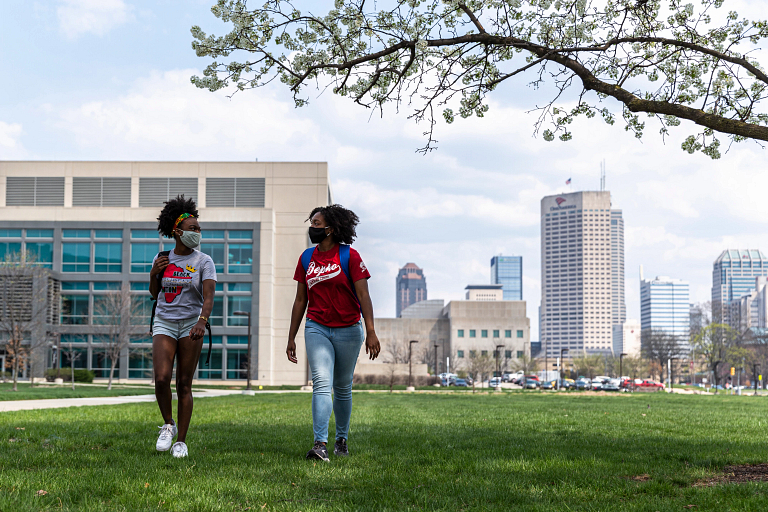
x=188, y=355
x=346, y=342
x=321, y=361
x=163, y=352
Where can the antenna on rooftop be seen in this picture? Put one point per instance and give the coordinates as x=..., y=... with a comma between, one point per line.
x=602, y=176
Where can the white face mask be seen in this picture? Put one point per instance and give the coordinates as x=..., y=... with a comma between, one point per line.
x=190, y=238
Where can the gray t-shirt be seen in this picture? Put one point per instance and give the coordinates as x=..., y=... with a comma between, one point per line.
x=181, y=296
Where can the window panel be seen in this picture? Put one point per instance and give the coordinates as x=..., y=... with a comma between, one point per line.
x=460, y=333
x=75, y=257
x=141, y=286
x=9, y=248
x=508, y=333
x=149, y=234
x=105, y=310
x=214, y=370
x=10, y=233
x=41, y=253
x=39, y=233
x=216, y=252
x=240, y=234
x=519, y=334
x=237, y=340
x=237, y=363
x=495, y=333
x=240, y=258
x=74, y=285
x=217, y=313
x=519, y=354
x=101, y=363
x=74, y=309
x=108, y=257
x=472, y=333
x=216, y=234
x=484, y=333
x=79, y=355
x=140, y=363
x=239, y=287
x=74, y=233
x=108, y=233
x=460, y=353
x=142, y=309
x=238, y=303
x=142, y=256
x=107, y=285
x=73, y=338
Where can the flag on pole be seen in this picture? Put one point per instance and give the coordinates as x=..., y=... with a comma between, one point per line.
x=568, y=181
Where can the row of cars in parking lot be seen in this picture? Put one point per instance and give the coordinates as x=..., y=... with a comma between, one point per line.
x=599, y=383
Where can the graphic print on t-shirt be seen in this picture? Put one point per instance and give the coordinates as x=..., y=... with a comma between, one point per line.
x=319, y=273
x=174, y=279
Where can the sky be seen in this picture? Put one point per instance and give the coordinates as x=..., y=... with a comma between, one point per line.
x=110, y=80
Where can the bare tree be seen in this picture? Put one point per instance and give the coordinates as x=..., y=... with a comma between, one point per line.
x=659, y=346
x=26, y=297
x=395, y=353
x=719, y=346
x=73, y=355
x=525, y=364
x=634, y=366
x=114, y=311
x=589, y=364
x=478, y=365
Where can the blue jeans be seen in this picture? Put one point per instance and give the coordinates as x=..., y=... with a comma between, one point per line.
x=332, y=354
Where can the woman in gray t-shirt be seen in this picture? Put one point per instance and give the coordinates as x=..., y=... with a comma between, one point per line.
x=183, y=283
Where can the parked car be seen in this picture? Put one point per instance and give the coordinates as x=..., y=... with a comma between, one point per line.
x=648, y=383
x=468, y=380
x=531, y=384
x=459, y=383
x=567, y=384
x=611, y=385
x=444, y=383
x=549, y=384
x=533, y=377
x=494, y=382
x=583, y=384
x=597, y=384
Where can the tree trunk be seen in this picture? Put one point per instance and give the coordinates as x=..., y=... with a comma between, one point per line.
x=72, y=371
x=15, y=373
x=111, y=371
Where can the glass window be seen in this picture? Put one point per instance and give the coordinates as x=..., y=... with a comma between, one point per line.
x=168, y=245
x=472, y=353
x=101, y=363
x=240, y=234
x=239, y=287
x=237, y=340
x=10, y=233
x=75, y=257
x=237, y=363
x=460, y=353
x=460, y=333
x=74, y=309
x=40, y=253
x=519, y=354
x=216, y=252
x=106, y=285
x=9, y=248
x=519, y=334
x=217, y=313
x=507, y=354
x=141, y=286
x=142, y=256
x=78, y=355
x=141, y=338
x=105, y=310
x=73, y=233
x=141, y=309
x=140, y=363
x=150, y=234
x=495, y=333
x=240, y=258
x=484, y=333
x=39, y=233
x=483, y=353
x=219, y=287
x=472, y=333
x=217, y=340
x=238, y=303
x=217, y=234
x=108, y=257
x=213, y=371
x=73, y=338
x=108, y=233
x=508, y=333
x=74, y=285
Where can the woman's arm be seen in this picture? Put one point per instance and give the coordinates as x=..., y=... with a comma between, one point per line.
x=157, y=270
x=372, y=345
x=299, y=306
x=209, y=289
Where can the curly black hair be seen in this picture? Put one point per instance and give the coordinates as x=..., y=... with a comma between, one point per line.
x=171, y=212
x=342, y=221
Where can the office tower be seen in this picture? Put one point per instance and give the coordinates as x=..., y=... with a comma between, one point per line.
x=508, y=272
x=751, y=310
x=411, y=287
x=665, y=306
x=626, y=338
x=733, y=276
x=579, y=272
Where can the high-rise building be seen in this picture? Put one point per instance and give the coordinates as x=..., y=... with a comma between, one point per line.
x=733, y=277
x=580, y=270
x=508, y=272
x=626, y=338
x=411, y=287
x=665, y=306
x=751, y=310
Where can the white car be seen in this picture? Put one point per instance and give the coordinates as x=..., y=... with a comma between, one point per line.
x=597, y=384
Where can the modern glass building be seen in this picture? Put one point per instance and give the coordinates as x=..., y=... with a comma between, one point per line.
x=508, y=272
x=733, y=276
x=664, y=305
x=411, y=287
x=93, y=225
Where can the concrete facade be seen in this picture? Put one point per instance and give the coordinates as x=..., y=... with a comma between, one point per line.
x=626, y=338
x=255, y=211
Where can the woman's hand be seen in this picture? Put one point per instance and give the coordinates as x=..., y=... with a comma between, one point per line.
x=198, y=331
x=291, y=351
x=159, y=266
x=372, y=345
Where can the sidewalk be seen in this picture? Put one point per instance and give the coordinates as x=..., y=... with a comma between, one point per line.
x=56, y=403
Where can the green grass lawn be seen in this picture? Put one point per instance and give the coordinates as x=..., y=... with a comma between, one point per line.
x=44, y=391
x=454, y=452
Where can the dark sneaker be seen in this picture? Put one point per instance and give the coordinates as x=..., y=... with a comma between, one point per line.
x=318, y=452
x=340, y=448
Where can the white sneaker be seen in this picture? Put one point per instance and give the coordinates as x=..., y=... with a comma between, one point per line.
x=179, y=450
x=165, y=439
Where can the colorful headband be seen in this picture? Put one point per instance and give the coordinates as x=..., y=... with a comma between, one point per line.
x=181, y=218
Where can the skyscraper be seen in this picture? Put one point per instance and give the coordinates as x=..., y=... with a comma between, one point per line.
x=411, y=286
x=508, y=272
x=665, y=306
x=582, y=271
x=733, y=276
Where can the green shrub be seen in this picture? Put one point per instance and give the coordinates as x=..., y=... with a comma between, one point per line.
x=66, y=374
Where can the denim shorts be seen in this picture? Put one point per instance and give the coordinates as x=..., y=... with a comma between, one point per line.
x=176, y=329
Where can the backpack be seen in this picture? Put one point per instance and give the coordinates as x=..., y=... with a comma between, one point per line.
x=154, y=307
x=306, y=257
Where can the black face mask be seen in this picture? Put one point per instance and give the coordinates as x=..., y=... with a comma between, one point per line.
x=317, y=235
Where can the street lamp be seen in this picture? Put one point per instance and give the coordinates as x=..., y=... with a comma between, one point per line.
x=248, y=359
x=621, y=364
x=560, y=368
x=410, y=363
x=498, y=368
x=436, y=345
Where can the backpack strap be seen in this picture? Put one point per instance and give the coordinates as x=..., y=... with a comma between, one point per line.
x=154, y=299
x=344, y=260
x=306, y=257
x=210, y=344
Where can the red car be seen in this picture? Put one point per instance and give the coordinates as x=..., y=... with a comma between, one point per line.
x=647, y=383
x=531, y=377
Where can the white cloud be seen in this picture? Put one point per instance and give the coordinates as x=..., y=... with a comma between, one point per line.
x=10, y=145
x=78, y=17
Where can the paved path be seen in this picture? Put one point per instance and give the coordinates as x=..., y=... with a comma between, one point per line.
x=27, y=405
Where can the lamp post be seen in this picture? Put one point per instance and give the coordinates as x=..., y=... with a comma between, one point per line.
x=436, y=345
x=410, y=364
x=560, y=368
x=248, y=360
x=498, y=368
